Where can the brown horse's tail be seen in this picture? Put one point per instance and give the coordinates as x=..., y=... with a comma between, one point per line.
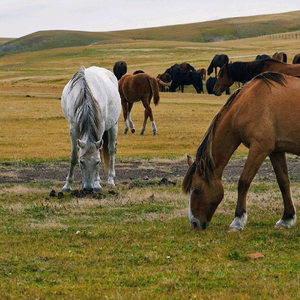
x=155, y=89
x=104, y=150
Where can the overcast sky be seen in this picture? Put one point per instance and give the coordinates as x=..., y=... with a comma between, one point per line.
x=21, y=17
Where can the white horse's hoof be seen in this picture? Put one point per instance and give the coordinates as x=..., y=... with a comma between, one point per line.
x=66, y=189
x=110, y=181
x=233, y=229
x=97, y=190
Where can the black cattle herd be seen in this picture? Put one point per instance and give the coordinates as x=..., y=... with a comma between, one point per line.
x=179, y=75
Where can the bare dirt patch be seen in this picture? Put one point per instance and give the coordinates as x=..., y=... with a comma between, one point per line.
x=133, y=170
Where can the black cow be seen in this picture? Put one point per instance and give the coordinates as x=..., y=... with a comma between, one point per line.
x=120, y=68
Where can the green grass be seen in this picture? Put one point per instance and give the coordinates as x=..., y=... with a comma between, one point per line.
x=133, y=246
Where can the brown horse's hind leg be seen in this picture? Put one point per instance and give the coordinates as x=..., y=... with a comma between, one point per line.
x=280, y=167
x=130, y=123
x=148, y=113
x=255, y=158
x=125, y=113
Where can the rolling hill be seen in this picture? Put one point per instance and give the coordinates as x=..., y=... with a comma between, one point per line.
x=224, y=29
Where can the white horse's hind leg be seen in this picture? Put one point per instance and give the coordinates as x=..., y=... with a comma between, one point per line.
x=74, y=157
x=112, y=147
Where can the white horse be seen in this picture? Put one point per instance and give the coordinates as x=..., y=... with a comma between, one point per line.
x=92, y=105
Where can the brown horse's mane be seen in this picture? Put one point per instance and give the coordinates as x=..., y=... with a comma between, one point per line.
x=204, y=158
x=245, y=71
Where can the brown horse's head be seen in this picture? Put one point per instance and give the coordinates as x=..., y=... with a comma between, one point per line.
x=205, y=194
x=224, y=81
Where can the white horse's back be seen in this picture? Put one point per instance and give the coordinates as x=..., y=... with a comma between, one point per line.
x=104, y=86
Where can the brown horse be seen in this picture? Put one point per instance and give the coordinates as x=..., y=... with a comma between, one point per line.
x=134, y=88
x=281, y=56
x=202, y=71
x=264, y=116
x=296, y=59
x=245, y=71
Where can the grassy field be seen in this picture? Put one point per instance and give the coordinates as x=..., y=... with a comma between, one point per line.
x=136, y=243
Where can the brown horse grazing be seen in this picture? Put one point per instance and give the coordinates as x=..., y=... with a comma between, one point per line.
x=264, y=116
x=186, y=67
x=281, y=56
x=202, y=71
x=296, y=59
x=245, y=71
x=134, y=88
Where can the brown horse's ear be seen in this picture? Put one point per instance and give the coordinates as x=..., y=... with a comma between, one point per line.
x=189, y=160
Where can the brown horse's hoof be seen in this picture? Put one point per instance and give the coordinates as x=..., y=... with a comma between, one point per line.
x=233, y=229
x=132, y=130
x=154, y=133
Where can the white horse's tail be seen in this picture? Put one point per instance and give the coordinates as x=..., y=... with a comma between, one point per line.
x=86, y=108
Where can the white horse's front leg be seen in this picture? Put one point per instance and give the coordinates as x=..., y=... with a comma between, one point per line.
x=112, y=148
x=97, y=185
x=74, y=157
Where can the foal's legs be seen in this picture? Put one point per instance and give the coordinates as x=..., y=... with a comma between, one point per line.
x=255, y=158
x=130, y=104
x=125, y=113
x=280, y=167
x=148, y=113
x=74, y=157
x=112, y=149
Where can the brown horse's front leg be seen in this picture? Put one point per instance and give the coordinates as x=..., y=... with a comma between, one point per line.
x=255, y=158
x=278, y=161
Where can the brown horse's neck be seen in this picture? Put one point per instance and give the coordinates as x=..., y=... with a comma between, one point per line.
x=225, y=142
x=278, y=66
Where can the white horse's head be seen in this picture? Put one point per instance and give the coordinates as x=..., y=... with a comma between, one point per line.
x=89, y=160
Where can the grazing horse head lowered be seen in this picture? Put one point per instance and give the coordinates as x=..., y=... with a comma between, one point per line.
x=92, y=105
x=264, y=116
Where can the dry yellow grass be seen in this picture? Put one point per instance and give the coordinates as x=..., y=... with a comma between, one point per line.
x=34, y=127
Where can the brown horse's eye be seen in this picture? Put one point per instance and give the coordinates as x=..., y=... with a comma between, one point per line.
x=197, y=191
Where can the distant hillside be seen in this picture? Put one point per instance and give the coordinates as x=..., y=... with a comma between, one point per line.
x=224, y=29
x=5, y=40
